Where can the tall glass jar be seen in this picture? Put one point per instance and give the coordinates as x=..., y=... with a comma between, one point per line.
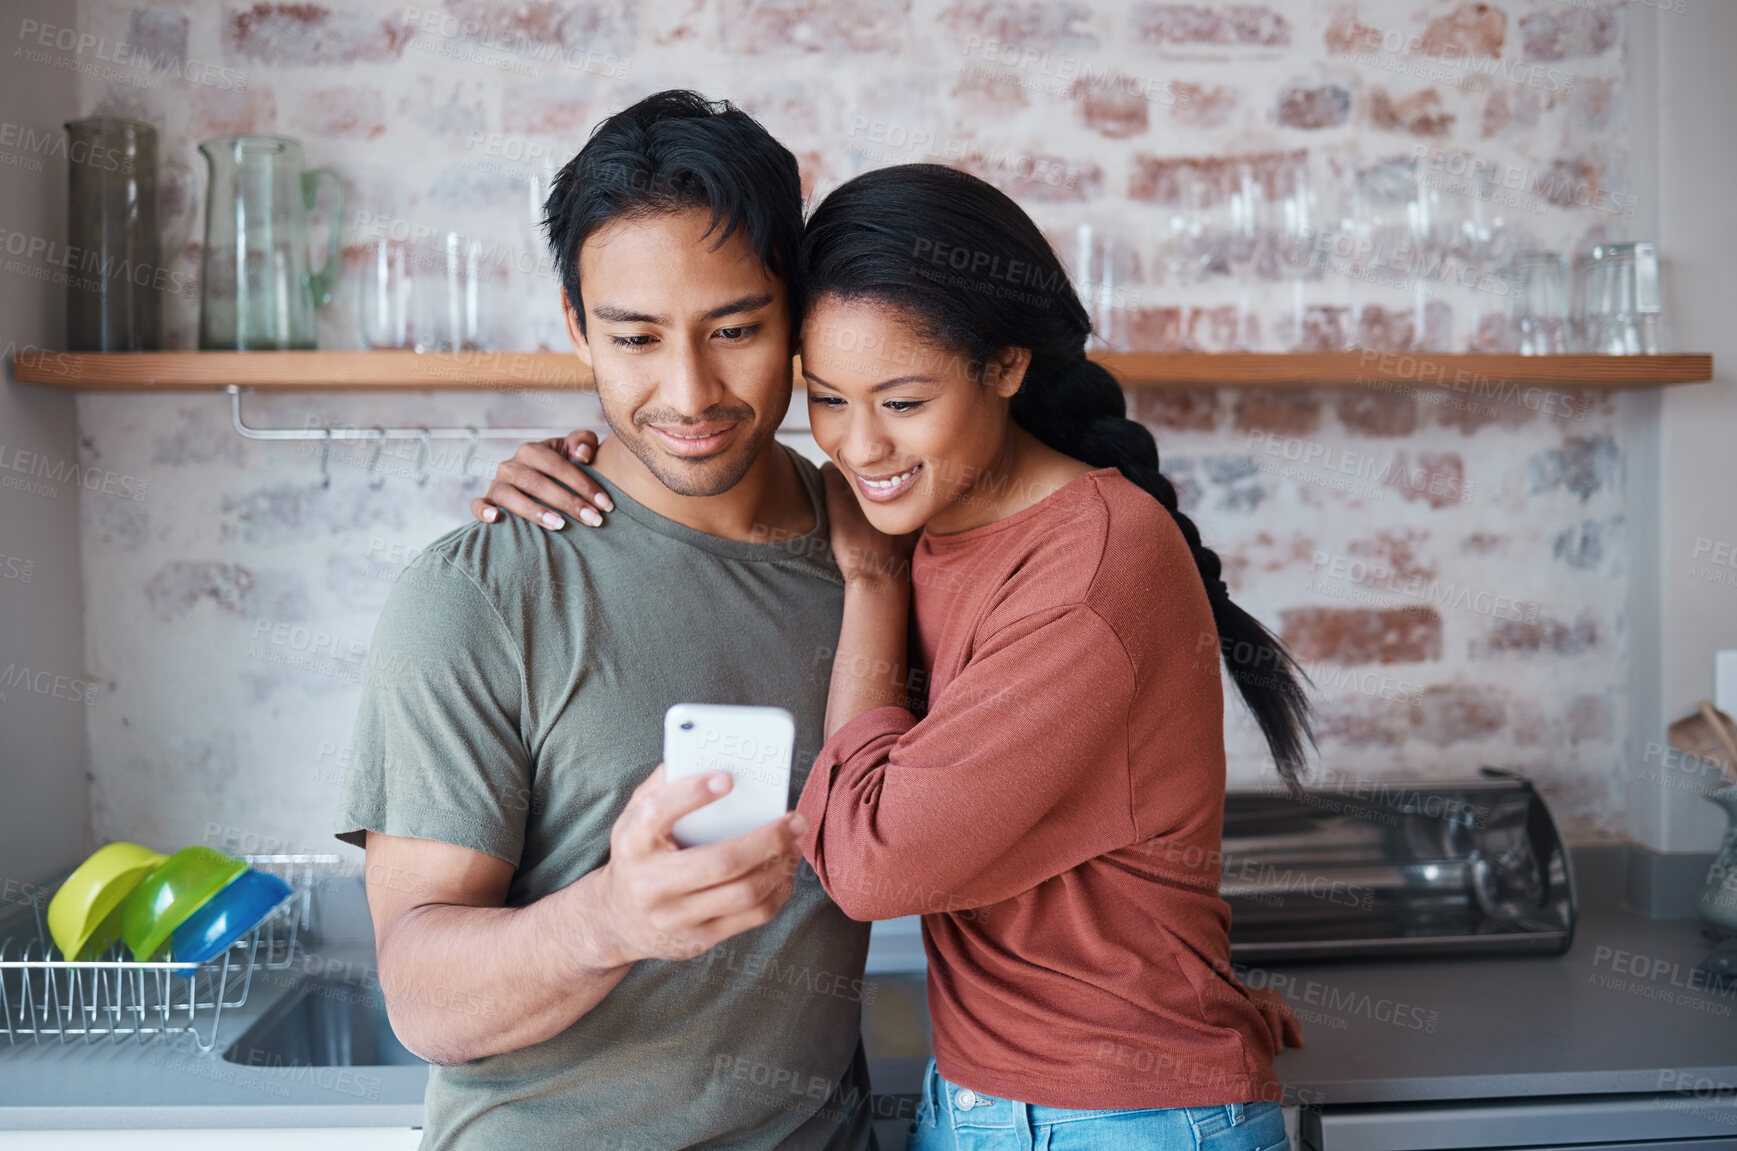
x=113, y=263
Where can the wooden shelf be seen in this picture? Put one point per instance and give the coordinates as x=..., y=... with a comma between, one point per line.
x=350, y=371
x=562, y=371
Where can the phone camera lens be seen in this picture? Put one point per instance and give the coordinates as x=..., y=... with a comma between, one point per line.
x=687, y=725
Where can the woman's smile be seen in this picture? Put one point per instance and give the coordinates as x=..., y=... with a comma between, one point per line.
x=886, y=488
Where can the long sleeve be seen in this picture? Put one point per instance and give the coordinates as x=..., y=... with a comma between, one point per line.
x=1018, y=773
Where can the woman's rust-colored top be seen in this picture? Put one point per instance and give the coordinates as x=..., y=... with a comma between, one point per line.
x=1055, y=815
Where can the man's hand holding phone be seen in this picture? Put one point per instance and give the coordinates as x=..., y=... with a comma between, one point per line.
x=665, y=901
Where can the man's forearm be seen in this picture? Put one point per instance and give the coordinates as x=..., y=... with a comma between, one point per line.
x=868, y=670
x=465, y=982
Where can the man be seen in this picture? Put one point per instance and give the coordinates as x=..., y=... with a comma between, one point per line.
x=575, y=978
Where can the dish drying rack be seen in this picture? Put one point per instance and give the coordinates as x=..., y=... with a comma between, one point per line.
x=44, y=996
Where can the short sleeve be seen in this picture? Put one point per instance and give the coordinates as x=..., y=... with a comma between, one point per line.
x=439, y=750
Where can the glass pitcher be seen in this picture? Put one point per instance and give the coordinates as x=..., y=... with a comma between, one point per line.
x=257, y=289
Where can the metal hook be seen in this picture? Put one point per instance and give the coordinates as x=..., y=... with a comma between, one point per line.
x=326, y=458
x=424, y=442
x=379, y=478
x=470, y=456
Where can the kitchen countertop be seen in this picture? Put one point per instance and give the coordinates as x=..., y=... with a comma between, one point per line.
x=1605, y=1017
x=1618, y=1013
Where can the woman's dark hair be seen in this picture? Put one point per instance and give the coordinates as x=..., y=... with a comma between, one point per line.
x=676, y=150
x=965, y=263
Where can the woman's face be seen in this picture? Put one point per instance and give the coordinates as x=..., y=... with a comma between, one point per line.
x=918, y=433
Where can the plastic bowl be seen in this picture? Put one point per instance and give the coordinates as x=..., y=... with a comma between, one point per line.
x=83, y=916
x=170, y=894
x=227, y=916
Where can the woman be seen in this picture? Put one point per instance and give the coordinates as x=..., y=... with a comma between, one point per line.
x=1053, y=806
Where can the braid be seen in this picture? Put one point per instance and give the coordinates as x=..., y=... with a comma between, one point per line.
x=1076, y=407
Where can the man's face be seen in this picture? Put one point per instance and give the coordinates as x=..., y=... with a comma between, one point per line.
x=690, y=346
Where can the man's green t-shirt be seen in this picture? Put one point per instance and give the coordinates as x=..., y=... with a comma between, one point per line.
x=514, y=698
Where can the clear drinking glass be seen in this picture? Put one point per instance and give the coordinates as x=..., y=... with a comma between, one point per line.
x=1539, y=303
x=1293, y=223
x=446, y=294
x=1622, y=300
x=386, y=293
x=1185, y=243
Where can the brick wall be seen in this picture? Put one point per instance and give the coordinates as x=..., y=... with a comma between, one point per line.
x=1448, y=564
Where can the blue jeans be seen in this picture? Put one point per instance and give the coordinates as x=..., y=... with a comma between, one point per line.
x=953, y=1118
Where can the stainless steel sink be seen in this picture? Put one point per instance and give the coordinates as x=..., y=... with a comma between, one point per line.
x=334, y=1023
x=323, y=1023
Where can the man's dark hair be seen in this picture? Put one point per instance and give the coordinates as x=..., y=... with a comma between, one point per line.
x=676, y=150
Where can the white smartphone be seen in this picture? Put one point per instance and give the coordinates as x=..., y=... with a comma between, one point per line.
x=752, y=744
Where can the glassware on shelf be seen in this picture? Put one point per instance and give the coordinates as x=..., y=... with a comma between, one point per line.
x=1100, y=267
x=1185, y=244
x=1539, y=303
x=258, y=291
x=386, y=293
x=446, y=294
x=116, y=280
x=1246, y=215
x=1294, y=223
x=1617, y=299
x=1481, y=250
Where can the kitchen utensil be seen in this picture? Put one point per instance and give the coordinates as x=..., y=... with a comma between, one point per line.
x=172, y=893
x=1718, y=900
x=258, y=290
x=83, y=916
x=114, y=258
x=1708, y=735
x=227, y=916
x=1539, y=304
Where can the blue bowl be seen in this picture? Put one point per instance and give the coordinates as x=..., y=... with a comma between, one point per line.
x=230, y=914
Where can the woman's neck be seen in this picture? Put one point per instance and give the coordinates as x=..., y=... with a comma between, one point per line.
x=1025, y=471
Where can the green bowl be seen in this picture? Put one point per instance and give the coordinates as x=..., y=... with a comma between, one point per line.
x=170, y=894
